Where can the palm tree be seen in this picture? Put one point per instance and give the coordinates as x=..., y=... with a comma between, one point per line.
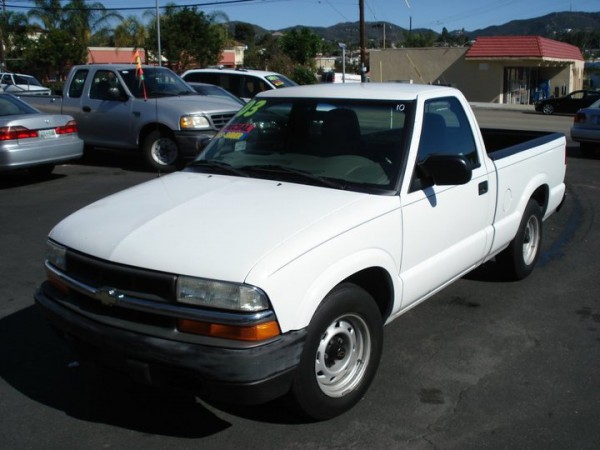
x=131, y=32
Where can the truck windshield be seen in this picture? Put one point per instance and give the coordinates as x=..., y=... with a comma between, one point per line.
x=156, y=82
x=346, y=144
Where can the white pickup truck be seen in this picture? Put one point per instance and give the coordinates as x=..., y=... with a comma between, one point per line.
x=269, y=265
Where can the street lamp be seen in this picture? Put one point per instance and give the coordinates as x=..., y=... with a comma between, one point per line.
x=343, y=47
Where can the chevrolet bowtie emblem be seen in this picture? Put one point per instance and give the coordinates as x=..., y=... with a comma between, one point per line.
x=108, y=296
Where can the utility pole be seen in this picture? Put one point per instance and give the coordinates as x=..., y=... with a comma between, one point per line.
x=2, y=25
x=363, y=51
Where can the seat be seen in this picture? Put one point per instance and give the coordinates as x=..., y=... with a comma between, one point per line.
x=341, y=133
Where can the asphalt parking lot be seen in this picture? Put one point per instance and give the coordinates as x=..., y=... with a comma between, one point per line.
x=484, y=364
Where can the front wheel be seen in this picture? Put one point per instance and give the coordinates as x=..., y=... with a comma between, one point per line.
x=341, y=354
x=522, y=254
x=161, y=151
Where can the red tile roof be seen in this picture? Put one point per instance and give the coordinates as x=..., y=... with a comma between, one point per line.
x=113, y=55
x=523, y=47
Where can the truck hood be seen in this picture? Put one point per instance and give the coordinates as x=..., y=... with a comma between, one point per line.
x=197, y=104
x=214, y=226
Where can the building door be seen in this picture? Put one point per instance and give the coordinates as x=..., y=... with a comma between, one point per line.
x=520, y=85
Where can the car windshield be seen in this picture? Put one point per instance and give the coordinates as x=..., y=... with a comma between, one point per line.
x=345, y=144
x=155, y=82
x=27, y=80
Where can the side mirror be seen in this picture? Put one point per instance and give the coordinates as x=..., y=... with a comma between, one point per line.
x=447, y=170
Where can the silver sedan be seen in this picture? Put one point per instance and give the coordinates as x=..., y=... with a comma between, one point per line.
x=34, y=140
x=586, y=128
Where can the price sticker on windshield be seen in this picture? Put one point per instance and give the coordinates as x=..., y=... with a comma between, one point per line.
x=237, y=131
x=251, y=108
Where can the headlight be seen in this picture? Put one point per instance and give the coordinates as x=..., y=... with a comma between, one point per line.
x=222, y=295
x=56, y=255
x=194, y=122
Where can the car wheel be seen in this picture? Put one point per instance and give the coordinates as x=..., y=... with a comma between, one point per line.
x=548, y=109
x=341, y=354
x=161, y=151
x=518, y=260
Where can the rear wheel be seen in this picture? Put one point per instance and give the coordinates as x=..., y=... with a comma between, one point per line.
x=521, y=256
x=161, y=151
x=341, y=354
x=548, y=109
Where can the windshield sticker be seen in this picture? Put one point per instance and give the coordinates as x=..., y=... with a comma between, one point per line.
x=277, y=82
x=251, y=108
x=237, y=131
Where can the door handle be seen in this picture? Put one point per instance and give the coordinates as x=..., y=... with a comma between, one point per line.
x=483, y=187
x=86, y=109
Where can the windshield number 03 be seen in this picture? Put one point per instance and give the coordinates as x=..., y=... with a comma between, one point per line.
x=251, y=108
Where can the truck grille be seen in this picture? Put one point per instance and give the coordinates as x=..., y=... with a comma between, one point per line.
x=219, y=120
x=99, y=273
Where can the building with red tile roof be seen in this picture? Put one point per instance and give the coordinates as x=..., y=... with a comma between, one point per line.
x=499, y=69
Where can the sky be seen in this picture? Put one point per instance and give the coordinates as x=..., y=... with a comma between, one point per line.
x=433, y=14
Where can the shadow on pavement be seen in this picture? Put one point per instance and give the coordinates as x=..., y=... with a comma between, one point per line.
x=40, y=365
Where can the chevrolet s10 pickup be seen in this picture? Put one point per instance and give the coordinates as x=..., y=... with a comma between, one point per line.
x=270, y=264
x=155, y=111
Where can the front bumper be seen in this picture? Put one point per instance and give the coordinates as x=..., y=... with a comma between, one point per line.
x=190, y=143
x=249, y=375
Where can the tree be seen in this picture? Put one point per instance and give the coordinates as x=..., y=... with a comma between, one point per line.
x=131, y=32
x=189, y=38
x=302, y=46
x=14, y=28
x=244, y=33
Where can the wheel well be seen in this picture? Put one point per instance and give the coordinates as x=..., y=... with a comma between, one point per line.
x=541, y=196
x=149, y=129
x=376, y=281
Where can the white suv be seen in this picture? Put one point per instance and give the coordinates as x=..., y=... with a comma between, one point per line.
x=16, y=83
x=243, y=83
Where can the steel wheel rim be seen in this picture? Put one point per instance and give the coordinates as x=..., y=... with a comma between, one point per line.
x=531, y=240
x=342, y=355
x=164, y=152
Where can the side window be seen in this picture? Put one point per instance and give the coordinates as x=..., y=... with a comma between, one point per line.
x=103, y=81
x=76, y=87
x=445, y=131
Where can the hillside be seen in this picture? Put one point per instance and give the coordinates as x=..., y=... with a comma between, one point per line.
x=547, y=26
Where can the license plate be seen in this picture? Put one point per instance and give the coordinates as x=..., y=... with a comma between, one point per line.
x=47, y=134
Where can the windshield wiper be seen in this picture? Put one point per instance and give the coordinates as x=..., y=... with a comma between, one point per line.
x=273, y=168
x=224, y=167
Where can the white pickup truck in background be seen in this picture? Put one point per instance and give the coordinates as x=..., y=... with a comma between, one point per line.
x=269, y=265
x=155, y=112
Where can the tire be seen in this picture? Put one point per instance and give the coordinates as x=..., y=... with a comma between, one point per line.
x=548, y=109
x=161, y=151
x=341, y=354
x=522, y=254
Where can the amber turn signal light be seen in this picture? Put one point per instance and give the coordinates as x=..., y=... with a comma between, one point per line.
x=259, y=332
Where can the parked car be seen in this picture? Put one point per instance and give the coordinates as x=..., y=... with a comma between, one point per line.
x=243, y=83
x=34, y=140
x=569, y=104
x=586, y=127
x=16, y=83
x=212, y=90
